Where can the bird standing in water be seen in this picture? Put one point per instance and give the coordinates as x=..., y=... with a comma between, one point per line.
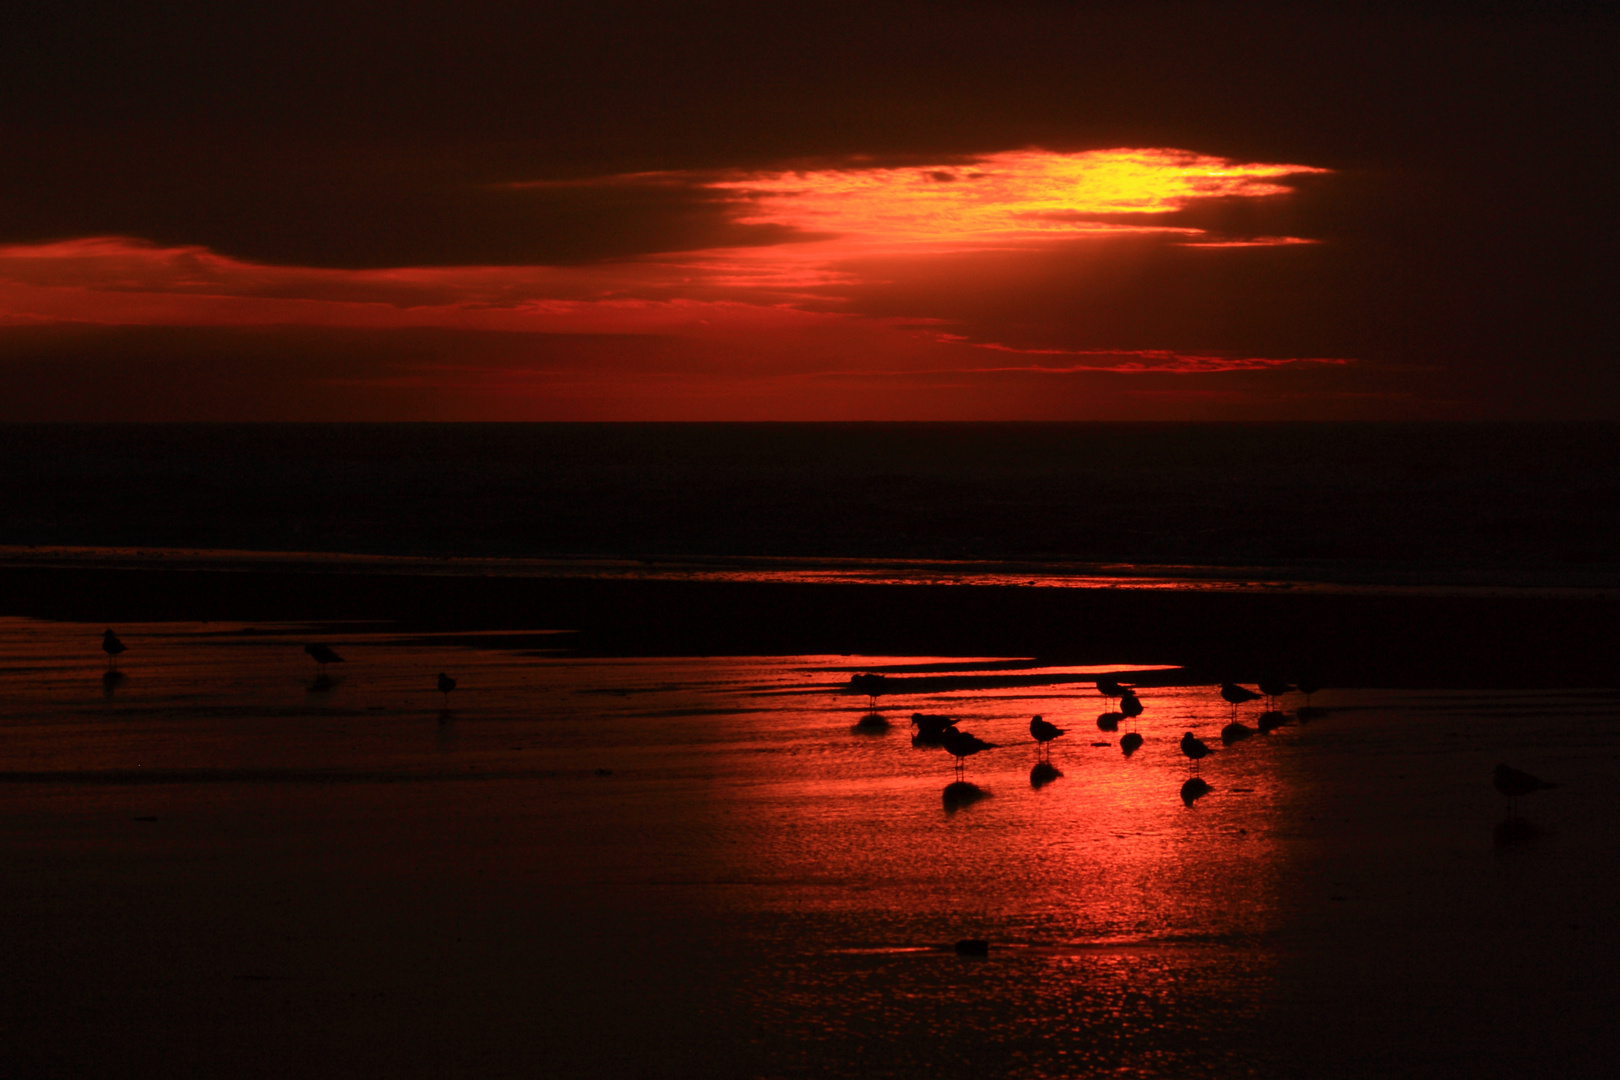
x=1236, y=695
x=1514, y=783
x=323, y=655
x=1195, y=748
x=962, y=745
x=446, y=684
x=1043, y=731
x=112, y=647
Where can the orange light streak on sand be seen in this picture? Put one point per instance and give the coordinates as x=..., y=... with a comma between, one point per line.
x=1012, y=195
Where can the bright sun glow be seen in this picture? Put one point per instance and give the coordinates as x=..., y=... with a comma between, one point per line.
x=1018, y=194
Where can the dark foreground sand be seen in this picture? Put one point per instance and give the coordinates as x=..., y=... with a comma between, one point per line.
x=565, y=923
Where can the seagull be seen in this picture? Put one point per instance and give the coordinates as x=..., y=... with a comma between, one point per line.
x=962, y=745
x=112, y=647
x=930, y=729
x=1514, y=782
x=1043, y=732
x=1130, y=706
x=871, y=683
x=1274, y=689
x=1194, y=747
x=1236, y=695
x=323, y=655
x=446, y=684
x=1109, y=687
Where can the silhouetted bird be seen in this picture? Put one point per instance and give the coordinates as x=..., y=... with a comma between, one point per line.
x=446, y=684
x=1308, y=687
x=1108, y=687
x=1195, y=748
x=930, y=728
x=1515, y=783
x=112, y=647
x=871, y=684
x=323, y=655
x=1130, y=743
x=1273, y=689
x=1235, y=732
x=1236, y=695
x=1130, y=706
x=1043, y=732
x=962, y=745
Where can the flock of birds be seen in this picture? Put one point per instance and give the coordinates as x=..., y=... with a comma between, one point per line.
x=321, y=654
x=942, y=731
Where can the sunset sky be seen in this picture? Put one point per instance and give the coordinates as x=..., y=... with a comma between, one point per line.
x=830, y=211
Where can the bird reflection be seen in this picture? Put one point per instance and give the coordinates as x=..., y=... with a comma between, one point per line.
x=110, y=680
x=1042, y=774
x=1109, y=721
x=1194, y=789
x=870, y=724
x=1235, y=732
x=1271, y=720
x=960, y=793
x=1130, y=743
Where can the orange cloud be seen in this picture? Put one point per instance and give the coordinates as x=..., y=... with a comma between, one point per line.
x=810, y=298
x=1020, y=195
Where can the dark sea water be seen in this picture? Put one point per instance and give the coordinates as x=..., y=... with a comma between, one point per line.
x=653, y=833
x=1522, y=503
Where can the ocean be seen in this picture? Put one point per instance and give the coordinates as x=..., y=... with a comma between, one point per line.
x=1465, y=504
x=652, y=831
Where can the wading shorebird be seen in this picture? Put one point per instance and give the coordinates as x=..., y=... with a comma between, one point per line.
x=323, y=656
x=930, y=729
x=1043, y=732
x=1109, y=687
x=1273, y=689
x=1236, y=695
x=962, y=745
x=1130, y=706
x=112, y=647
x=871, y=683
x=446, y=684
x=1195, y=749
x=1515, y=783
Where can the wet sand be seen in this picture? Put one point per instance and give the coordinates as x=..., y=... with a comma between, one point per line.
x=600, y=865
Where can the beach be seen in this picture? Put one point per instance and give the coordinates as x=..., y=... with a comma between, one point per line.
x=654, y=829
x=703, y=866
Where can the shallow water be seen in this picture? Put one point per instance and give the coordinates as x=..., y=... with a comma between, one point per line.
x=704, y=866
